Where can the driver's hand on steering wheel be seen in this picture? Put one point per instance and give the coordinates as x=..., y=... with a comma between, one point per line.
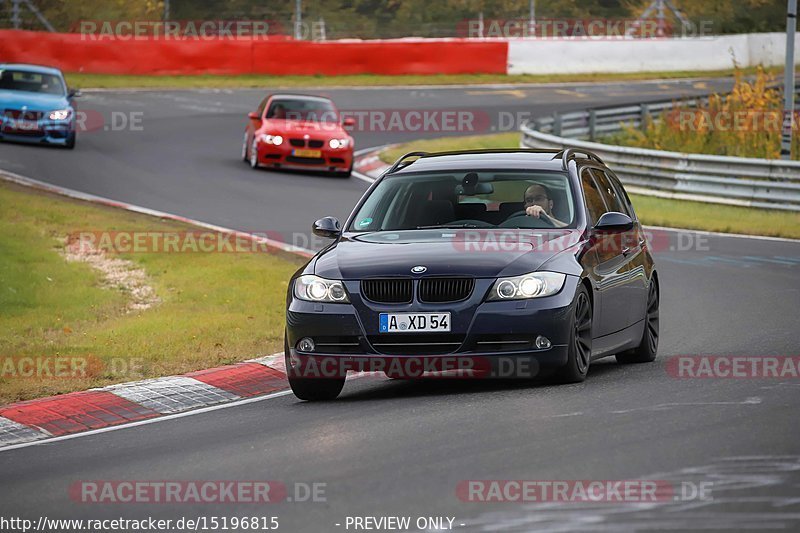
x=536, y=211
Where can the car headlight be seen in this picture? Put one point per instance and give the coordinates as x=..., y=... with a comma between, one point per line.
x=60, y=114
x=533, y=285
x=277, y=140
x=317, y=289
x=338, y=143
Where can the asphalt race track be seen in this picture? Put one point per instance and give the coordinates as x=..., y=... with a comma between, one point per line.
x=401, y=448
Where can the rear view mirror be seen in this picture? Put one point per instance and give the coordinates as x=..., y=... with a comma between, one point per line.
x=327, y=227
x=74, y=93
x=614, y=222
x=348, y=123
x=253, y=116
x=478, y=188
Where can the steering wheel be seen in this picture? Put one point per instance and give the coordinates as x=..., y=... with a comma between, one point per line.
x=512, y=221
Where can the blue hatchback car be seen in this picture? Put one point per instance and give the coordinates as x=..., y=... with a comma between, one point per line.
x=36, y=106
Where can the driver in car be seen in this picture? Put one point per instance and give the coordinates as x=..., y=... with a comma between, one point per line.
x=539, y=204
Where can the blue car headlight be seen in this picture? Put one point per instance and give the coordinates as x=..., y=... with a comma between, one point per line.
x=316, y=289
x=60, y=114
x=533, y=285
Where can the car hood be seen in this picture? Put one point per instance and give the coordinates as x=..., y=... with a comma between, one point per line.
x=33, y=101
x=482, y=254
x=318, y=130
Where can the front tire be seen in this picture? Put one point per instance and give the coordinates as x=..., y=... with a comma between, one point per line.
x=580, y=342
x=316, y=389
x=254, y=155
x=647, y=350
x=311, y=389
x=245, y=155
x=70, y=144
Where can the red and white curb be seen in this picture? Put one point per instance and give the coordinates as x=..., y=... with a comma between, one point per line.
x=78, y=412
x=368, y=165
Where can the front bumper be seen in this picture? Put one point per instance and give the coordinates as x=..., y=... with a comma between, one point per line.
x=283, y=157
x=47, y=132
x=484, y=334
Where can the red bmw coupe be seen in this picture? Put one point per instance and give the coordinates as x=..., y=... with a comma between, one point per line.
x=298, y=132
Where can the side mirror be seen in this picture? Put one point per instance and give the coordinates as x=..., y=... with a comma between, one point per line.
x=348, y=123
x=327, y=227
x=613, y=222
x=253, y=116
x=74, y=93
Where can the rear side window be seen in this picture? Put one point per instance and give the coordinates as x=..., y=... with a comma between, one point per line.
x=595, y=204
x=609, y=193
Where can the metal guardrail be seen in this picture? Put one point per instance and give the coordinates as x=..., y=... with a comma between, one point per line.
x=762, y=183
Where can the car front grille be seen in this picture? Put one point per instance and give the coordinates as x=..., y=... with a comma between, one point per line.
x=387, y=291
x=302, y=143
x=18, y=114
x=438, y=290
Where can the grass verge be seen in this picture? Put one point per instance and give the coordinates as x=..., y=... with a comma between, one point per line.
x=651, y=210
x=112, y=81
x=215, y=308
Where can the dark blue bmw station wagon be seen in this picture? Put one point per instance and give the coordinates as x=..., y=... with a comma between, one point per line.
x=492, y=256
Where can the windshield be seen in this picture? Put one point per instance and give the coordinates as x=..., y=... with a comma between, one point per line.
x=310, y=110
x=465, y=199
x=33, y=82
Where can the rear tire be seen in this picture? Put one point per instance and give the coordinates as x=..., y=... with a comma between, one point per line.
x=648, y=348
x=580, y=341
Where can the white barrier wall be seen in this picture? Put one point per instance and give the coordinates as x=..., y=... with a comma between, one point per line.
x=529, y=56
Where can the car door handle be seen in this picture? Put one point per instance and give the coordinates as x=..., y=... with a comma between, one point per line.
x=626, y=251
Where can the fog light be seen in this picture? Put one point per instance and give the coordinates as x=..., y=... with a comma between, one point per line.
x=542, y=342
x=305, y=345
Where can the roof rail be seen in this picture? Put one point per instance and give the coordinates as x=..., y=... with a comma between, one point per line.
x=571, y=153
x=498, y=151
x=399, y=163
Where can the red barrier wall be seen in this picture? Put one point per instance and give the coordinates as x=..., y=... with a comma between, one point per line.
x=77, y=53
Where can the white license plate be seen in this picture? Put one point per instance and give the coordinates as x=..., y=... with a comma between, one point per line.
x=414, y=322
x=23, y=125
